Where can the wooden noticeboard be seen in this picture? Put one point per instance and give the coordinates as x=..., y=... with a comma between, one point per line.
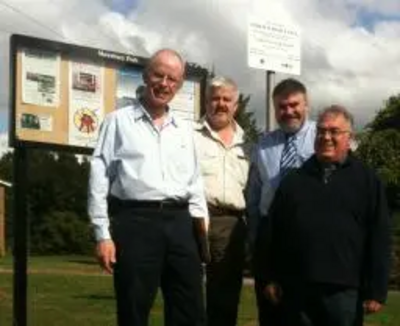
x=60, y=92
x=59, y=95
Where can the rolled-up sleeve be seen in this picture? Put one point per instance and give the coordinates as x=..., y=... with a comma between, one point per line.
x=197, y=197
x=99, y=181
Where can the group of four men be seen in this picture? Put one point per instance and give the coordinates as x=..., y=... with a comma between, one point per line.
x=157, y=186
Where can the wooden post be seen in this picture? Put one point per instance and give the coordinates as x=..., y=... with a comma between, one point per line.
x=20, y=228
x=2, y=222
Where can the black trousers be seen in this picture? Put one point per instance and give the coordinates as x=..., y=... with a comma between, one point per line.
x=268, y=313
x=155, y=247
x=227, y=236
x=320, y=305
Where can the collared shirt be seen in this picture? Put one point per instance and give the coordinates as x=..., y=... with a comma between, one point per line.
x=265, y=175
x=224, y=168
x=135, y=160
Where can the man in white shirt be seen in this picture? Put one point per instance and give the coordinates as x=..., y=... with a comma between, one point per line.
x=224, y=164
x=144, y=172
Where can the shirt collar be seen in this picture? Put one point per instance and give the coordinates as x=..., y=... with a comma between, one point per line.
x=139, y=113
x=303, y=130
x=238, y=138
x=344, y=162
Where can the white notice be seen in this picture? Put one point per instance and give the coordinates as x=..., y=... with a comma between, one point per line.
x=40, y=78
x=273, y=45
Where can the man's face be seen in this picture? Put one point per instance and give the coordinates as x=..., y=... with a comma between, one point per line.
x=290, y=111
x=332, y=141
x=163, y=79
x=221, y=107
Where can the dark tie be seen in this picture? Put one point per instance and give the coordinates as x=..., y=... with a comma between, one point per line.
x=328, y=169
x=289, y=155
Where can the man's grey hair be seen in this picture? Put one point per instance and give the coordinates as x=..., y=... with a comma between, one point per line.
x=336, y=110
x=165, y=50
x=222, y=82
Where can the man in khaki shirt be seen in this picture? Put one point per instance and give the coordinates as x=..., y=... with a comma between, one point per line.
x=224, y=164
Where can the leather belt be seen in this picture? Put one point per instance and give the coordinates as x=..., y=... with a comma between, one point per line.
x=220, y=211
x=154, y=204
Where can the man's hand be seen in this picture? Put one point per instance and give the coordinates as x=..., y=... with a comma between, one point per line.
x=105, y=251
x=273, y=292
x=372, y=306
x=200, y=234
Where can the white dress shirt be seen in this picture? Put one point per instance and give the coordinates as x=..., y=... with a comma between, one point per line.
x=136, y=160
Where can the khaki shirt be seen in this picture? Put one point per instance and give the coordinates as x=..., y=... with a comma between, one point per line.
x=224, y=169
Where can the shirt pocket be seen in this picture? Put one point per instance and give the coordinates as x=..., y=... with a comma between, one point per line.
x=242, y=168
x=209, y=163
x=182, y=158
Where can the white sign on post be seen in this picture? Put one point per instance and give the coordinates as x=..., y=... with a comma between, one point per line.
x=273, y=45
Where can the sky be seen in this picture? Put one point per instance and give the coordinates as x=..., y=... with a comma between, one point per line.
x=350, y=48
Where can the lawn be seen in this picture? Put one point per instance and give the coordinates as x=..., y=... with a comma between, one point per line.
x=69, y=291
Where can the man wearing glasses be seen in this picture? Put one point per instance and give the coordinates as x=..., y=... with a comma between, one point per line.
x=328, y=234
x=145, y=173
x=277, y=152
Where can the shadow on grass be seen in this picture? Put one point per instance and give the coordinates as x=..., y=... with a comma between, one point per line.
x=83, y=261
x=95, y=297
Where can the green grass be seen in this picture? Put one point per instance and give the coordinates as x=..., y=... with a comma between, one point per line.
x=69, y=291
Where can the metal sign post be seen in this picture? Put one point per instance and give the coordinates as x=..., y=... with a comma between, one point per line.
x=269, y=114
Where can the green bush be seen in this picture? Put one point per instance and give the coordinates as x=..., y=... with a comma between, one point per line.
x=61, y=233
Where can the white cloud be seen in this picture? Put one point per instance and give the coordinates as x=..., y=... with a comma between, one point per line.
x=342, y=62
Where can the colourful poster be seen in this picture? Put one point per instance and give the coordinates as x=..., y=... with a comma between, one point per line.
x=86, y=111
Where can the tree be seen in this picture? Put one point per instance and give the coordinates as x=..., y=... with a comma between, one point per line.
x=388, y=117
x=56, y=207
x=380, y=148
x=6, y=173
x=57, y=195
x=246, y=119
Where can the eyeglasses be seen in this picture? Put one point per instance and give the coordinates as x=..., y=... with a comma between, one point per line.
x=332, y=132
x=158, y=77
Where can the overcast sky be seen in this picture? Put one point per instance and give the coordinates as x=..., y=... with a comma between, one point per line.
x=350, y=48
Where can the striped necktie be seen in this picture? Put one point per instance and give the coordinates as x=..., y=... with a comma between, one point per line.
x=289, y=155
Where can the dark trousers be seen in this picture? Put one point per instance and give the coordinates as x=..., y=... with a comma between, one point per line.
x=156, y=247
x=227, y=236
x=320, y=305
x=360, y=311
x=268, y=313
